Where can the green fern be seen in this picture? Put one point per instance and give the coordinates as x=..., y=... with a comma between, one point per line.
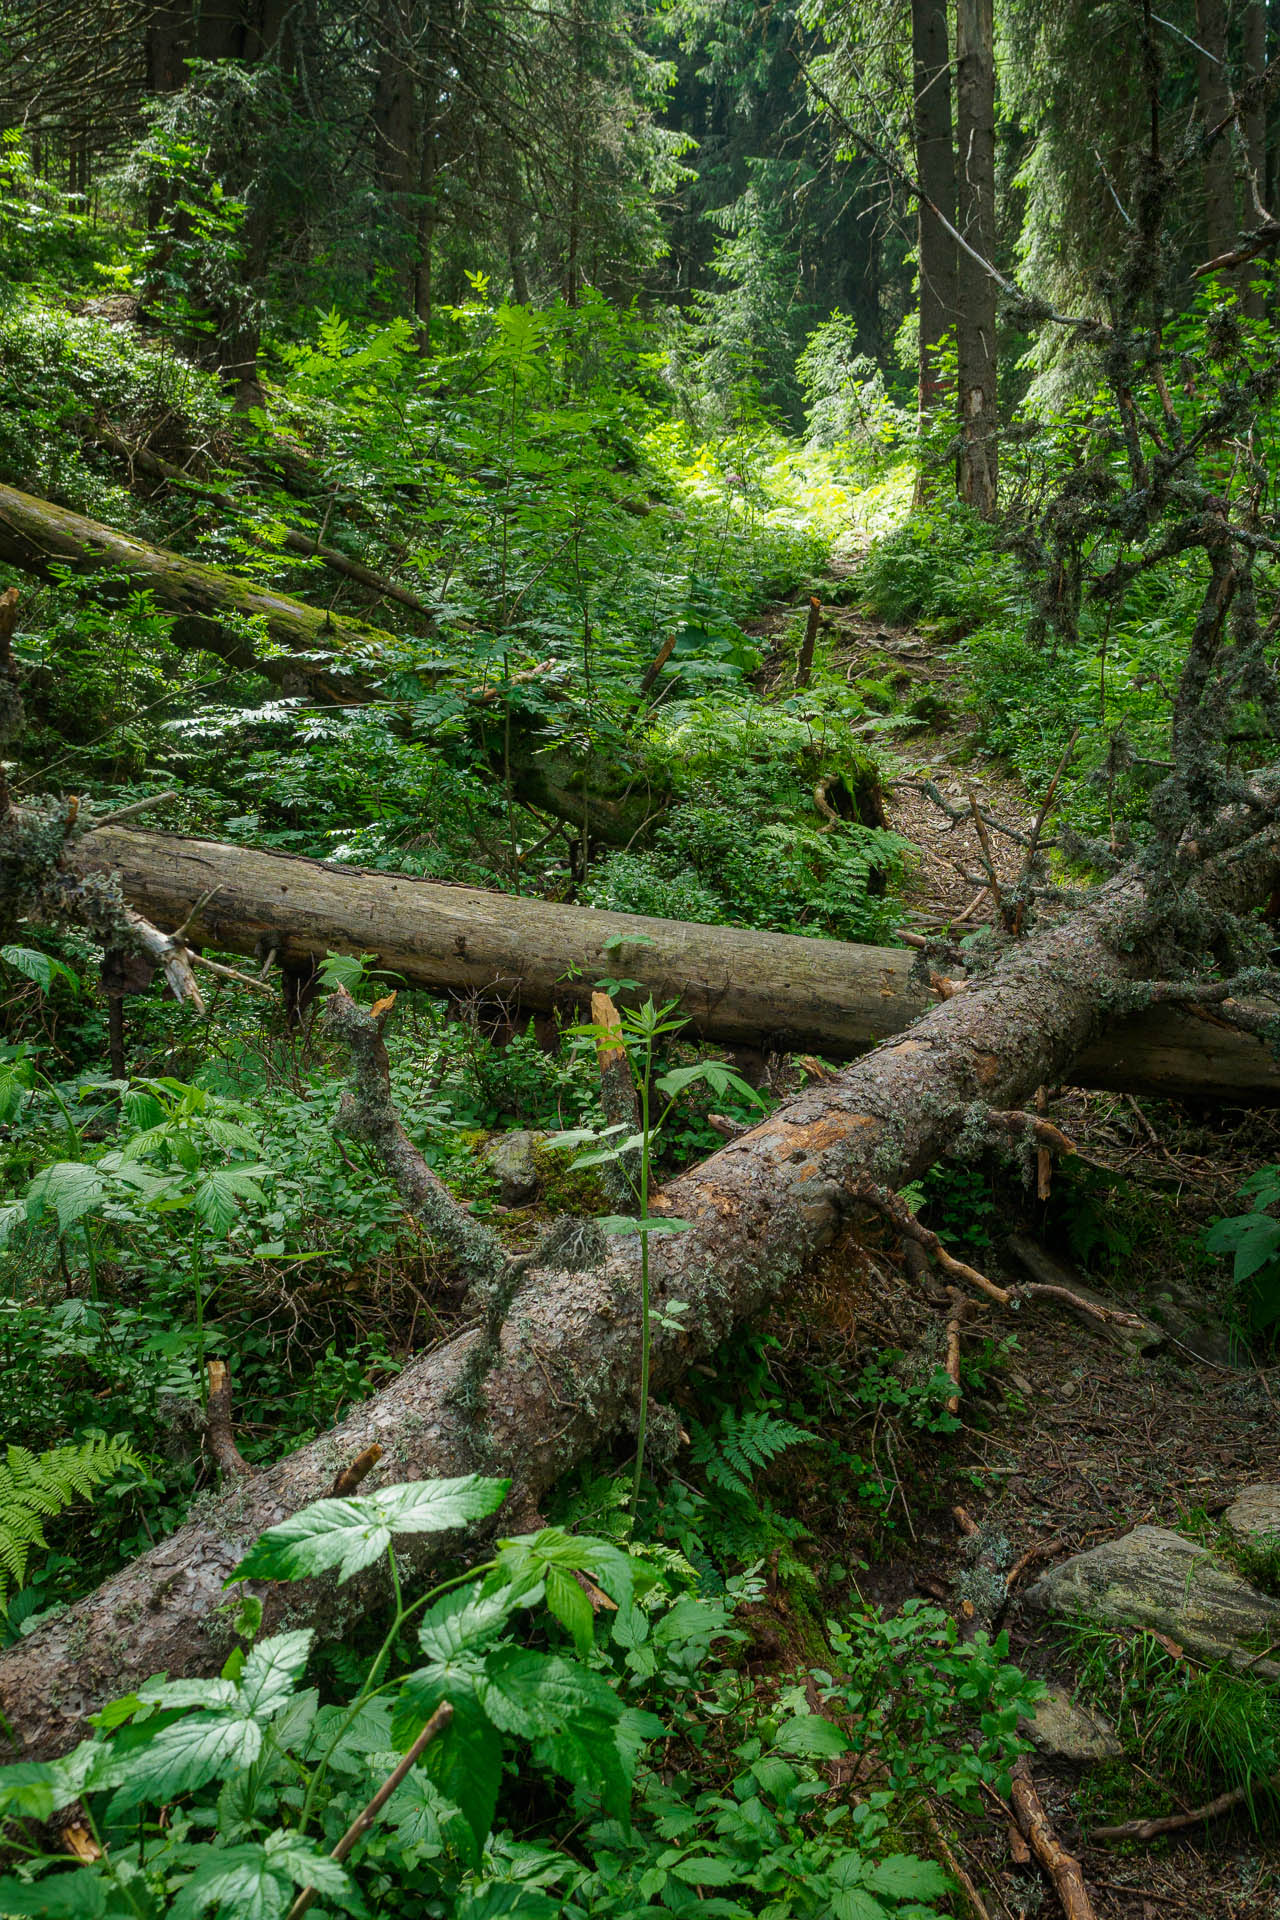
x=35, y=1487
x=734, y=1452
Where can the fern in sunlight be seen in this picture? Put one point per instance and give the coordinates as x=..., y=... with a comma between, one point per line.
x=36, y=1487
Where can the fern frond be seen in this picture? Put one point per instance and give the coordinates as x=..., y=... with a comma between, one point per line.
x=35, y=1487
x=733, y=1454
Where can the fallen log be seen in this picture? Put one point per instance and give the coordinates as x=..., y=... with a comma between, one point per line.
x=736, y=986
x=209, y=603
x=558, y=1375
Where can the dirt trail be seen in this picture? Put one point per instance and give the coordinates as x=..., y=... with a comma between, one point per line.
x=1070, y=1441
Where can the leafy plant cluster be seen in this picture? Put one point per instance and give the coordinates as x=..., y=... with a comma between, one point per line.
x=240, y=1794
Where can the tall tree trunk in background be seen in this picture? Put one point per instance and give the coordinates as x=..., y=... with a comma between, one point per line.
x=1255, y=138
x=936, y=172
x=1215, y=105
x=395, y=122
x=976, y=478
x=425, y=225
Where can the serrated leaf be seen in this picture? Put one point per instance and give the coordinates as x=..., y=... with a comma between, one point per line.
x=184, y=1755
x=904, y=1877
x=351, y=1534
x=70, y=1187
x=58, y=1896
x=466, y=1765
x=537, y=1693
x=708, y=1870
x=467, y=1617
x=571, y=1607
x=505, y=1900
x=240, y=1880
x=272, y=1670
x=418, y=1812
x=855, y=1903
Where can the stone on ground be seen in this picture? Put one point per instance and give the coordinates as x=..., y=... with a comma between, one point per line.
x=1064, y=1729
x=1255, y=1510
x=512, y=1159
x=1155, y=1579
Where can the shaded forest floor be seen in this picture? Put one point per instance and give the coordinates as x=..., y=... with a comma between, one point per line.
x=1066, y=1439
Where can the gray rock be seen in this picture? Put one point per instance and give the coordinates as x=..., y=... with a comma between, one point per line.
x=1255, y=1510
x=511, y=1159
x=1154, y=1578
x=1071, y=1732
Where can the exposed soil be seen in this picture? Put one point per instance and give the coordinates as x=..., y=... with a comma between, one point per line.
x=1072, y=1441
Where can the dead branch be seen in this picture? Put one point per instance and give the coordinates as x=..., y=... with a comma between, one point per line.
x=219, y=1436
x=960, y=1305
x=1062, y=1867
x=367, y=1815
x=804, y=665
x=1175, y=1822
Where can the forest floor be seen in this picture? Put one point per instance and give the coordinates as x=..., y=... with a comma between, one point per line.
x=1070, y=1440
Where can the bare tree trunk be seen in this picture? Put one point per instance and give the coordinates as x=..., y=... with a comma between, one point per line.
x=768, y=990
x=532, y=1397
x=976, y=290
x=935, y=169
x=1215, y=105
x=1255, y=140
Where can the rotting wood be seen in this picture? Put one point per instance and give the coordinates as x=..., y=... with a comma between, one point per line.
x=1062, y=1867
x=560, y=1374
x=219, y=1435
x=804, y=666
x=735, y=985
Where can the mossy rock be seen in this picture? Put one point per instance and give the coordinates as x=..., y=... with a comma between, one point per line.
x=566, y=1188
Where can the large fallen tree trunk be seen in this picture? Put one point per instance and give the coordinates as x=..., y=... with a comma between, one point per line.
x=209, y=603
x=531, y=1397
x=737, y=986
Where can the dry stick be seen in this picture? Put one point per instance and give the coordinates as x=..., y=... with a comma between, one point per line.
x=656, y=665
x=896, y=1210
x=976, y=1906
x=350, y=1477
x=988, y=856
x=231, y=973
x=1062, y=1867
x=132, y=812
x=804, y=666
x=959, y=1309
x=367, y=1815
x=1014, y=1120
x=1174, y=1822
x=218, y=1434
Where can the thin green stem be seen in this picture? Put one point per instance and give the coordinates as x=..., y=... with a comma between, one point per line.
x=642, y=1418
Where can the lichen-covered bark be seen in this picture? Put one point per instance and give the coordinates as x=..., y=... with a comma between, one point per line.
x=567, y=1356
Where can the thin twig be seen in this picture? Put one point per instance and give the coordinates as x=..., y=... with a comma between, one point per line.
x=367, y=1815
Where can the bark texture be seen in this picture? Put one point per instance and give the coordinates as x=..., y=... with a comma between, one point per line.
x=936, y=171
x=771, y=990
x=975, y=287
x=564, y=1364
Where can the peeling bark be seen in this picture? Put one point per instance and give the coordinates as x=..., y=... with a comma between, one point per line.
x=563, y=1374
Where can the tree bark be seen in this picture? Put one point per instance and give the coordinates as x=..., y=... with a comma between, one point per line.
x=559, y=1375
x=975, y=288
x=935, y=170
x=1254, y=128
x=1215, y=105
x=737, y=986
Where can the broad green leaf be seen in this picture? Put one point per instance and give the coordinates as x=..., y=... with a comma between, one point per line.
x=811, y=1737
x=466, y=1765
x=708, y=1870
x=185, y=1755
x=29, y=1790
x=352, y=1534
x=418, y=1812
x=255, y=1882
x=39, y=967
x=68, y=1186
x=217, y=1199
x=186, y=1693
x=855, y=1903
x=627, y=1223
x=571, y=1607
x=58, y=1896
x=271, y=1671
x=506, y=1900
x=903, y=1877
x=467, y=1617
x=536, y=1693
